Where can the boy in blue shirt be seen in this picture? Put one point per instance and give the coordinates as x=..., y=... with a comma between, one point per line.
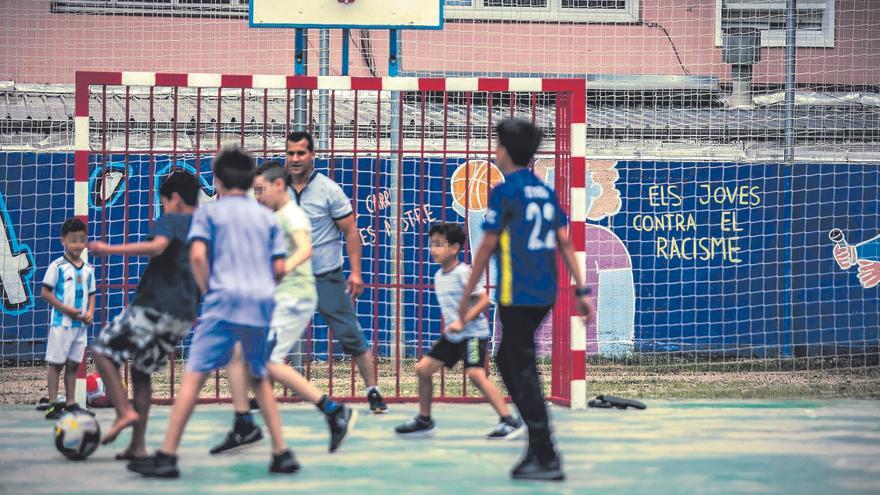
x=236, y=256
x=525, y=226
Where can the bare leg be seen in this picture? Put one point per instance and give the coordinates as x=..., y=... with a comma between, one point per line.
x=53, y=375
x=478, y=376
x=425, y=371
x=236, y=376
x=142, y=390
x=293, y=380
x=70, y=382
x=184, y=404
x=125, y=414
x=269, y=411
x=365, y=367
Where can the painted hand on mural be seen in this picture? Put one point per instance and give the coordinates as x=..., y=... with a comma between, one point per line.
x=869, y=273
x=845, y=256
x=16, y=269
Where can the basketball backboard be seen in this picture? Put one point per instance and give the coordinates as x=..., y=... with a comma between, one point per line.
x=365, y=14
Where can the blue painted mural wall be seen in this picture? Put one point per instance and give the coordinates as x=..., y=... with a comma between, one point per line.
x=724, y=257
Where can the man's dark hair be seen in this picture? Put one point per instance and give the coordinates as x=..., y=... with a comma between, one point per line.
x=520, y=138
x=272, y=170
x=295, y=137
x=183, y=183
x=235, y=169
x=453, y=233
x=72, y=225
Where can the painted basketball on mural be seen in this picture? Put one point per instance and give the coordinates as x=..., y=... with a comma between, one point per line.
x=470, y=185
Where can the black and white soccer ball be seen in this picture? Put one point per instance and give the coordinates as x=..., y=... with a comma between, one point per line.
x=77, y=435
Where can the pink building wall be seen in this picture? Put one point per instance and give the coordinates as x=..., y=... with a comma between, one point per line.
x=39, y=47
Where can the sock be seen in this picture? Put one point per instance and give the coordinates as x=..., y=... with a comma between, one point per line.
x=371, y=389
x=327, y=406
x=244, y=422
x=424, y=419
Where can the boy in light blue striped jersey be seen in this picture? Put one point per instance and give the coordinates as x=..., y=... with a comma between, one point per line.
x=69, y=288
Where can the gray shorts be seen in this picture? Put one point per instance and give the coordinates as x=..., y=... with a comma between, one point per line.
x=336, y=308
x=289, y=320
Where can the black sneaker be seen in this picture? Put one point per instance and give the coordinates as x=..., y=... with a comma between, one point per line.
x=507, y=431
x=341, y=423
x=377, y=404
x=416, y=427
x=235, y=441
x=158, y=465
x=55, y=411
x=284, y=462
x=531, y=468
x=44, y=404
x=76, y=408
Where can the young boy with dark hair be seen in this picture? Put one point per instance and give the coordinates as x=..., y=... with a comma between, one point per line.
x=69, y=288
x=526, y=226
x=295, y=303
x=164, y=308
x=464, y=339
x=236, y=256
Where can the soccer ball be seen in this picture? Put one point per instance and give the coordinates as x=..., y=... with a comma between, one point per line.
x=77, y=435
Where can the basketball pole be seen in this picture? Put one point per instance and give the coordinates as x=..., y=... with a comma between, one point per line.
x=301, y=67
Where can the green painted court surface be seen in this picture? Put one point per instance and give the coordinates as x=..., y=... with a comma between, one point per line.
x=822, y=447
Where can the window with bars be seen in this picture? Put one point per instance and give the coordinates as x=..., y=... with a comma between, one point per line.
x=544, y=10
x=182, y=8
x=522, y=10
x=814, y=19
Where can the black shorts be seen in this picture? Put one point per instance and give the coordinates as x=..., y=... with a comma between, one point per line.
x=472, y=352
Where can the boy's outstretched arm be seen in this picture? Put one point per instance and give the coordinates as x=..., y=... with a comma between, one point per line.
x=198, y=263
x=584, y=303
x=151, y=248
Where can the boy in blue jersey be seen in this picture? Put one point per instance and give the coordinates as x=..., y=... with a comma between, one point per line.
x=525, y=226
x=164, y=308
x=295, y=302
x=69, y=288
x=236, y=256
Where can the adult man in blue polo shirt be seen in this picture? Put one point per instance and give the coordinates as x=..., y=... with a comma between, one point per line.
x=330, y=213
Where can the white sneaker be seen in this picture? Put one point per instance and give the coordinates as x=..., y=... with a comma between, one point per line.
x=505, y=431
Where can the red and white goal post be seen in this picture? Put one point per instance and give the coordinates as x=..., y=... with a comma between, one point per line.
x=391, y=142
